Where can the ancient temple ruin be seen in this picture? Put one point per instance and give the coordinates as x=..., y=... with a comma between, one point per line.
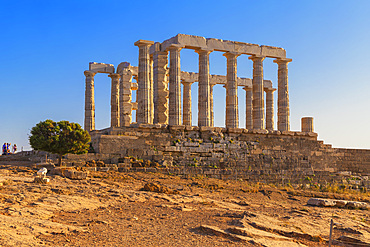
x=159, y=92
x=163, y=132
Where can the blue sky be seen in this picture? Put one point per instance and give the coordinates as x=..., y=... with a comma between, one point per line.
x=46, y=45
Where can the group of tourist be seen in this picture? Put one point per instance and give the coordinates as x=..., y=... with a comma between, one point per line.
x=6, y=148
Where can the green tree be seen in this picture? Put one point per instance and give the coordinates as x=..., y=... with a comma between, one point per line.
x=59, y=138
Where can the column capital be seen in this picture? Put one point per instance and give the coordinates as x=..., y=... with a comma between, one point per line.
x=269, y=89
x=141, y=42
x=247, y=88
x=257, y=58
x=89, y=73
x=231, y=54
x=175, y=47
x=187, y=82
x=282, y=60
x=114, y=76
x=203, y=51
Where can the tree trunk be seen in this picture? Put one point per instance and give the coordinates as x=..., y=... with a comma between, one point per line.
x=60, y=160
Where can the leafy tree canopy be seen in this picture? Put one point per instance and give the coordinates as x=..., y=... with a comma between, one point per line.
x=59, y=138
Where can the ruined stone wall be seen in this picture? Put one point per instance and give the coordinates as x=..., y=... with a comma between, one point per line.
x=232, y=153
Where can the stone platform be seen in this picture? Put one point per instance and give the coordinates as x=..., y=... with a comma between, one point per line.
x=229, y=153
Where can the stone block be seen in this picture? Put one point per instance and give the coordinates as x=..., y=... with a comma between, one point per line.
x=101, y=67
x=321, y=202
x=75, y=175
x=274, y=52
x=49, y=166
x=41, y=180
x=188, y=41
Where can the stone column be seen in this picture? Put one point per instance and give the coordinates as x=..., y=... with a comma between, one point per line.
x=270, y=108
x=160, y=85
x=114, y=101
x=248, y=108
x=143, y=93
x=125, y=98
x=211, y=104
x=186, y=103
x=151, y=102
x=89, y=124
x=174, y=85
x=257, y=87
x=204, y=114
x=232, y=118
x=307, y=124
x=283, y=94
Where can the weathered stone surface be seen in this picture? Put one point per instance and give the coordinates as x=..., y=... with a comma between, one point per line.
x=101, y=67
x=321, y=202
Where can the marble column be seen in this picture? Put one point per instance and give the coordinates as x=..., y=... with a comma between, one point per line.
x=114, y=102
x=270, y=108
x=211, y=104
x=174, y=85
x=307, y=124
x=283, y=94
x=160, y=85
x=204, y=114
x=125, y=98
x=248, y=108
x=143, y=93
x=186, y=103
x=151, y=102
x=89, y=124
x=232, y=118
x=257, y=87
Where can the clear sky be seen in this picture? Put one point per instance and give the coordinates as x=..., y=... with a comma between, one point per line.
x=46, y=45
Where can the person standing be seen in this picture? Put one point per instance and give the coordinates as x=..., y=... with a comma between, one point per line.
x=14, y=148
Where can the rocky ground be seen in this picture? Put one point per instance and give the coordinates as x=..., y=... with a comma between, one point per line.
x=138, y=209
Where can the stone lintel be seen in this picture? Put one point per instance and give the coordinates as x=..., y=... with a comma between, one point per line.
x=101, y=67
x=273, y=52
x=187, y=41
x=198, y=42
x=142, y=42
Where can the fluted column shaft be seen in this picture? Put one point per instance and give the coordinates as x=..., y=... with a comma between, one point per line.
x=151, y=102
x=114, y=102
x=204, y=114
x=283, y=94
x=174, y=86
x=248, y=108
x=143, y=93
x=211, y=104
x=186, y=103
x=270, y=108
x=160, y=85
x=125, y=98
x=258, y=96
x=232, y=118
x=89, y=123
